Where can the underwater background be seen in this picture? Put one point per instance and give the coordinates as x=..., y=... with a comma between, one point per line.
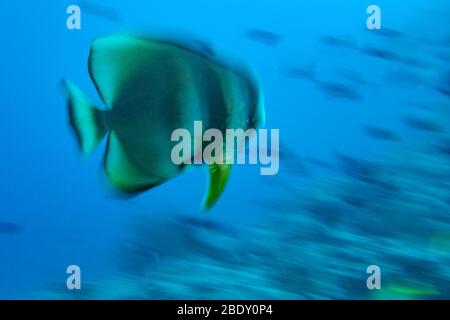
x=364, y=119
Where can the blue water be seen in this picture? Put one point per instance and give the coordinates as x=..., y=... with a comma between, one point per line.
x=69, y=216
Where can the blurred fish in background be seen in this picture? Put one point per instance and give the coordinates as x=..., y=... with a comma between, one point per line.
x=331, y=230
x=333, y=89
x=424, y=124
x=444, y=84
x=296, y=72
x=387, y=33
x=381, y=133
x=263, y=36
x=100, y=10
x=344, y=42
x=9, y=228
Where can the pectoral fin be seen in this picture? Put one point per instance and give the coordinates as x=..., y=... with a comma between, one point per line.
x=218, y=178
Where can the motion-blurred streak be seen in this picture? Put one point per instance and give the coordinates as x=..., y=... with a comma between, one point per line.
x=381, y=133
x=100, y=10
x=10, y=228
x=263, y=36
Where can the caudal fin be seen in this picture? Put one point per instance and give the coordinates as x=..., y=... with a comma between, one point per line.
x=85, y=119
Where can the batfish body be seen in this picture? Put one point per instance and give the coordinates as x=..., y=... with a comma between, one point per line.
x=149, y=89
